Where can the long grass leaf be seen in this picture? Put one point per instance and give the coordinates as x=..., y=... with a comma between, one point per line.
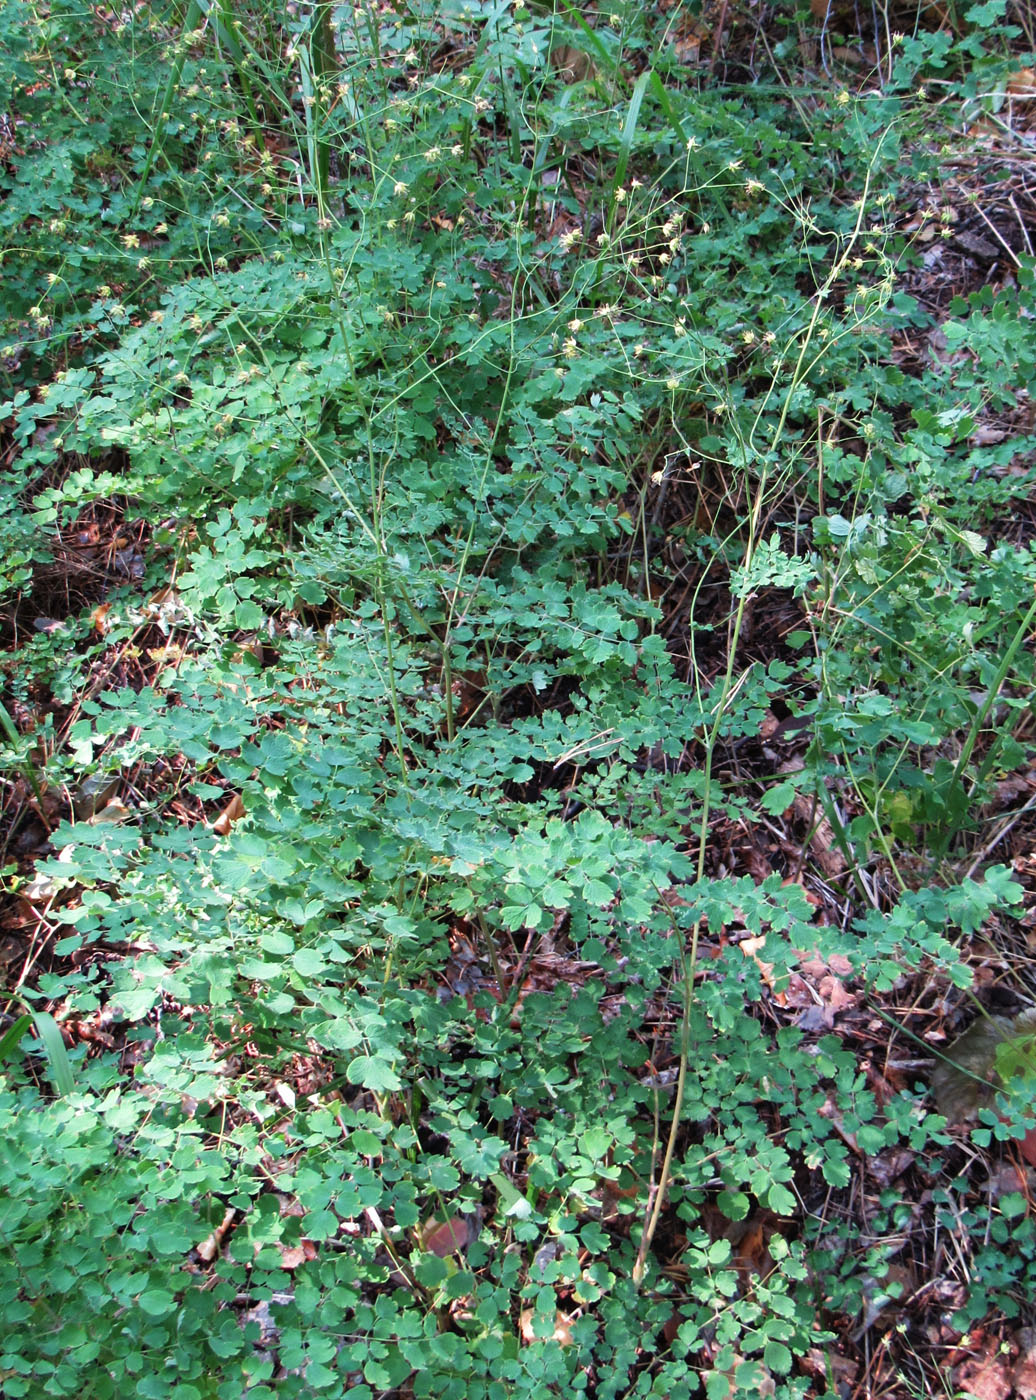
x=12, y=1037
x=629, y=129
x=194, y=15
x=55, y=1052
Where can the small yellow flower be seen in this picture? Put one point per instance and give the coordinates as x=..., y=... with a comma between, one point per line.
x=457, y=150
x=161, y=228
x=143, y=264
x=569, y=239
x=570, y=349
x=620, y=195
x=130, y=240
x=432, y=153
x=400, y=187
x=575, y=325
x=672, y=384
x=638, y=351
x=843, y=99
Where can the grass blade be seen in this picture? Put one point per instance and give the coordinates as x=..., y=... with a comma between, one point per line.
x=12, y=1037
x=55, y=1052
x=629, y=128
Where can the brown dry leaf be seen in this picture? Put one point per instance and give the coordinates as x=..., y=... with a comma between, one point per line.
x=231, y=813
x=573, y=64
x=822, y=841
x=114, y=811
x=813, y=967
x=797, y=994
x=170, y=654
x=836, y=998
x=832, y=1366
x=99, y=618
x=293, y=1255
x=887, y=1166
x=1022, y=83
x=47, y=624
x=562, y=1327
x=984, y=1378
x=209, y=1248
x=1023, y=1377
x=1027, y=1147
x=444, y=1238
x=752, y=1255
x=750, y=947
x=285, y=1093
x=94, y=793
x=965, y=1081
x=688, y=49
x=768, y=725
x=41, y=888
